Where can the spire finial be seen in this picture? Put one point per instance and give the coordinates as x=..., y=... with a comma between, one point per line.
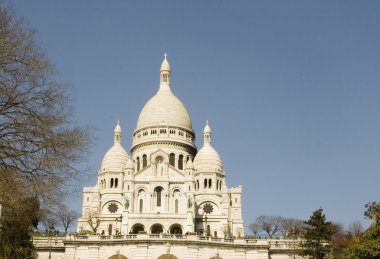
x=207, y=134
x=117, y=133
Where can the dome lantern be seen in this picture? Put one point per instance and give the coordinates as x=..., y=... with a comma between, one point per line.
x=207, y=134
x=165, y=73
x=117, y=133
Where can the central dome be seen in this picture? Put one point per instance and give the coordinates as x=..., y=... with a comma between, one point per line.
x=164, y=108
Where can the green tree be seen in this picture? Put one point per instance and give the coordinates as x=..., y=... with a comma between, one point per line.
x=368, y=245
x=317, y=234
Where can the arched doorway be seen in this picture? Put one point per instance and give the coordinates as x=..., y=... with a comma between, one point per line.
x=136, y=228
x=118, y=256
x=167, y=256
x=156, y=229
x=175, y=229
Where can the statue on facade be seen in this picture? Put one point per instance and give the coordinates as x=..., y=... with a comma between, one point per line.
x=160, y=167
x=126, y=203
x=189, y=202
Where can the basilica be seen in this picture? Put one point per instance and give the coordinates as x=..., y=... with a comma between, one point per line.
x=165, y=199
x=165, y=185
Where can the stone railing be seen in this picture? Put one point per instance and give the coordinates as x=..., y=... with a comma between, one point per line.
x=272, y=244
x=53, y=242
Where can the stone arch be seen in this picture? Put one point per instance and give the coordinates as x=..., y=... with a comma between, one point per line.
x=136, y=228
x=118, y=256
x=175, y=229
x=167, y=256
x=156, y=229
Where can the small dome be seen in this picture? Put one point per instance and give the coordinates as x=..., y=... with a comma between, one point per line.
x=208, y=160
x=115, y=159
x=129, y=164
x=189, y=165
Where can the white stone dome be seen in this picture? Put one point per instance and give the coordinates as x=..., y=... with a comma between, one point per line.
x=208, y=160
x=164, y=108
x=116, y=157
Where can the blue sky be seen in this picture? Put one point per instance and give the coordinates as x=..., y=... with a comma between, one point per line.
x=291, y=88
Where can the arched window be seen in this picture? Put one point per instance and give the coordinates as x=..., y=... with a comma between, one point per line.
x=145, y=161
x=158, y=191
x=116, y=182
x=208, y=230
x=138, y=163
x=197, y=185
x=217, y=184
x=111, y=184
x=176, y=206
x=172, y=159
x=180, y=162
x=141, y=206
x=205, y=183
x=209, y=183
x=220, y=185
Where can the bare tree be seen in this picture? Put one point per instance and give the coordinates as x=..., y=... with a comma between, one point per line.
x=269, y=224
x=93, y=220
x=291, y=228
x=37, y=136
x=355, y=228
x=255, y=228
x=40, y=145
x=66, y=217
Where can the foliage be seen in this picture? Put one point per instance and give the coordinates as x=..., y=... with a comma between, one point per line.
x=19, y=214
x=368, y=245
x=317, y=234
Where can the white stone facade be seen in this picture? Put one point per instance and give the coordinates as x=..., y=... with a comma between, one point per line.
x=165, y=185
x=166, y=200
